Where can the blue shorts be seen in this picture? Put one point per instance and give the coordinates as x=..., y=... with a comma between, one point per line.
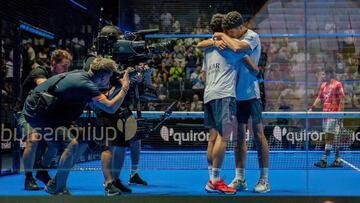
x=220, y=114
x=249, y=108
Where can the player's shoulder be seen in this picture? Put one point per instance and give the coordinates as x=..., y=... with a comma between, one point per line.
x=336, y=82
x=252, y=33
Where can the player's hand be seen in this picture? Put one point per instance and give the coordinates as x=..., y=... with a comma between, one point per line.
x=125, y=81
x=220, y=44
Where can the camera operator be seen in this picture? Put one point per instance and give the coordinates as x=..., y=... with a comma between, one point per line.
x=60, y=62
x=60, y=100
x=114, y=151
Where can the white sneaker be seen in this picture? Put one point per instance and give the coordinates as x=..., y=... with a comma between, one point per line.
x=238, y=184
x=262, y=186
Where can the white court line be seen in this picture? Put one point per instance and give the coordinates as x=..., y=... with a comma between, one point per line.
x=352, y=166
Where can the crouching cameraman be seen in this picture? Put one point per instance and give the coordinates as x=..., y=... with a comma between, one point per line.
x=60, y=100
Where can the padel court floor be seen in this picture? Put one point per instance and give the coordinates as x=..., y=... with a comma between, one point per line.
x=288, y=176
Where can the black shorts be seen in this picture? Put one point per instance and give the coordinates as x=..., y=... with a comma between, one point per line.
x=249, y=108
x=107, y=132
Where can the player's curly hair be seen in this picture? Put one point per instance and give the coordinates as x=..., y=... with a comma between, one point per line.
x=232, y=20
x=216, y=22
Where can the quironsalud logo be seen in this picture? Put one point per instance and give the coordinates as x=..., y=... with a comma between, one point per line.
x=168, y=134
x=164, y=133
x=278, y=133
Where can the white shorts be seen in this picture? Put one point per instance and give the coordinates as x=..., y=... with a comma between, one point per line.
x=331, y=126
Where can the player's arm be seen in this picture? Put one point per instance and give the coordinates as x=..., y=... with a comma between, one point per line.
x=316, y=103
x=205, y=43
x=41, y=76
x=234, y=44
x=251, y=65
x=211, y=42
x=38, y=81
x=111, y=105
x=342, y=104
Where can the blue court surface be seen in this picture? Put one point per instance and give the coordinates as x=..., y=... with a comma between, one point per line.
x=175, y=173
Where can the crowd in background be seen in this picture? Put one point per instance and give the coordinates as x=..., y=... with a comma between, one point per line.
x=176, y=70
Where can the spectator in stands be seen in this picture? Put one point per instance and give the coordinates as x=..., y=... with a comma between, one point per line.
x=163, y=69
x=187, y=106
x=154, y=18
x=28, y=58
x=176, y=28
x=137, y=20
x=190, y=61
x=166, y=19
x=162, y=92
x=181, y=105
x=167, y=59
x=179, y=53
x=156, y=61
x=356, y=93
x=151, y=106
x=42, y=56
x=349, y=91
x=195, y=79
x=330, y=27
x=285, y=97
x=176, y=71
x=9, y=73
x=340, y=68
x=196, y=104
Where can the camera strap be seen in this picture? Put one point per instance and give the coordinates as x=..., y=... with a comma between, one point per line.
x=52, y=87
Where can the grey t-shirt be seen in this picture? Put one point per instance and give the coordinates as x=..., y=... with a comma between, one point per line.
x=221, y=69
x=247, y=84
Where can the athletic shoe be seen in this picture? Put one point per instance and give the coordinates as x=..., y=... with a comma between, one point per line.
x=209, y=187
x=120, y=186
x=336, y=163
x=238, y=185
x=111, y=190
x=65, y=192
x=262, y=186
x=221, y=187
x=51, y=187
x=135, y=179
x=43, y=176
x=30, y=184
x=321, y=164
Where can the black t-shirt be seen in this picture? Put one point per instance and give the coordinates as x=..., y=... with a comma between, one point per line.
x=29, y=84
x=73, y=92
